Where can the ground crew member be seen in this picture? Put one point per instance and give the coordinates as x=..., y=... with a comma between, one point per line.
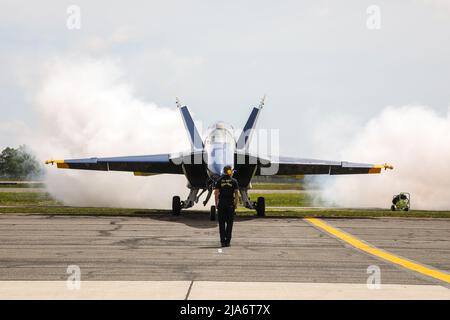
x=226, y=195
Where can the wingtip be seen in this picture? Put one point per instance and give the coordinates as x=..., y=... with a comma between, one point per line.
x=384, y=166
x=377, y=168
x=52, y=162
x=261, y=104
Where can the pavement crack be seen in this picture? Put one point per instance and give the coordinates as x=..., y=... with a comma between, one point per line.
x=107, y=233
x=131, y=243
x=189, y=290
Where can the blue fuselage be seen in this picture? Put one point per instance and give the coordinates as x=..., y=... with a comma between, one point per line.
x=220, y=147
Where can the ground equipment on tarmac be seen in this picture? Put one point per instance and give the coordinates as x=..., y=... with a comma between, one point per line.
x=401, y=202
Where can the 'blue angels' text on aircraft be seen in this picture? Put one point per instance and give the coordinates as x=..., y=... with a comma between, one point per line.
x=204, y=163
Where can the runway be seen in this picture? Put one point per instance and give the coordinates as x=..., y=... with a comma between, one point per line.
x=265, y=253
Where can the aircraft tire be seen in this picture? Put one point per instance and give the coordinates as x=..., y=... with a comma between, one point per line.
x=261, y=207
x=176, y=206
x=212, y=213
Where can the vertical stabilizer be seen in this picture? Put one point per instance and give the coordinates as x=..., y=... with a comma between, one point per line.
x=194, y=137
x=246, y=135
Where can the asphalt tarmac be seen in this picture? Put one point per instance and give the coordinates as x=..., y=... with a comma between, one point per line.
x=161, y=247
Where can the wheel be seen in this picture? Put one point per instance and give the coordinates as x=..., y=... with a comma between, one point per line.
x=406, y=209
x=176, y=205
x=393, y=208
x=261, y=207
x=396, y=199
x=212, y=213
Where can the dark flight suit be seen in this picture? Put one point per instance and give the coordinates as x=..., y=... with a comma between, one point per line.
x=227, y=187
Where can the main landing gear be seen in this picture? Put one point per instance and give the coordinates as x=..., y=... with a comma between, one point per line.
x=193, y=197
x=177, y=205
x=259, y=205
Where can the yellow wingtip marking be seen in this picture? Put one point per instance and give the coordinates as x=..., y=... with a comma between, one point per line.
x=52, y=162
x=59, y=163
x=374, y=170
x=379, y=253
x=377, y=168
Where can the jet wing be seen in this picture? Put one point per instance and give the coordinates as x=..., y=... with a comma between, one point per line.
x=140, y=165
x=300, y=166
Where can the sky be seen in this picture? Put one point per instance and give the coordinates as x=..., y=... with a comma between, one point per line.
x=323, y=70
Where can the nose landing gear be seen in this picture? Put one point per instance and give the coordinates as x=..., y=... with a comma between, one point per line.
x=212, y=213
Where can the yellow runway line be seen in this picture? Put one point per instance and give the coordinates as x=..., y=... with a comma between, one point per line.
x=440, y=275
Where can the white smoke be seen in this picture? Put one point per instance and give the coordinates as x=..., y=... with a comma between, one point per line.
x=416, y=141
x=86, y=109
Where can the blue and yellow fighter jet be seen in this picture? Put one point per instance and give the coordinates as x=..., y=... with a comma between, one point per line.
x=203, y=164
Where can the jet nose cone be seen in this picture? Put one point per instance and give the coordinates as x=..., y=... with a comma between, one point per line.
x=216, y=168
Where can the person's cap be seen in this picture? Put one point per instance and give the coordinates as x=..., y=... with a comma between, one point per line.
x=227, y=170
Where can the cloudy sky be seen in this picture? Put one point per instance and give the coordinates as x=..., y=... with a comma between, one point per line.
x=318, y=62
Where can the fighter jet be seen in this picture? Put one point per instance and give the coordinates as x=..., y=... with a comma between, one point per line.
x=203, y=164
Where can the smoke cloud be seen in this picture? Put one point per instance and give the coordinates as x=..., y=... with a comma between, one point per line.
x=416, y=140
x=87, y=109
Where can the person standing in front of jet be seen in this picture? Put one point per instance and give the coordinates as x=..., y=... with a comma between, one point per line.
x=226, y=195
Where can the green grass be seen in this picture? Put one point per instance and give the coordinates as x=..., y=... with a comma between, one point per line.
x=42, y=203
x=22, y=185
x=42, y=199
x=27, y=199
x=241, y=212
x=277, y=186
x=284, y=199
